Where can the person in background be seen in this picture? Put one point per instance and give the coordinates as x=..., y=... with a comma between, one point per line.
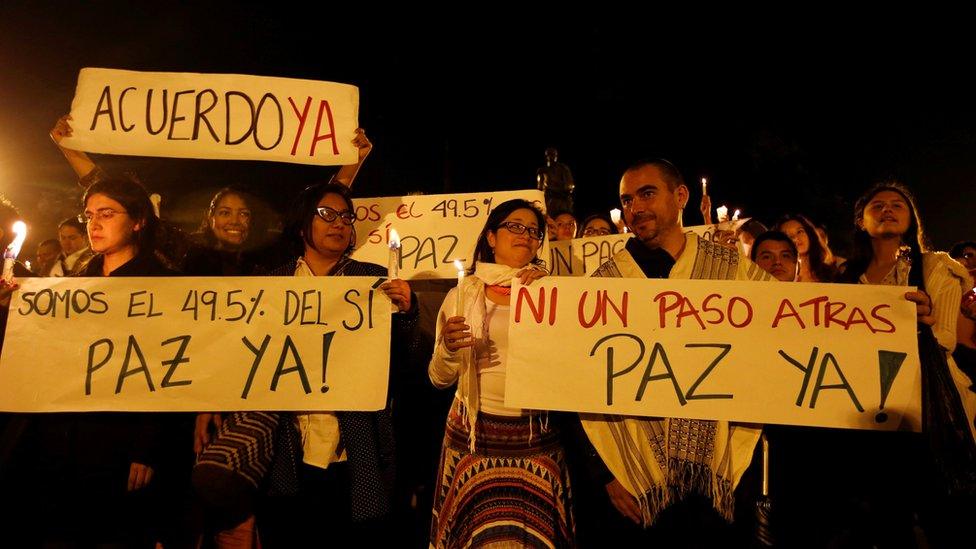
x=812, y=255
x=965, y=253
x=598, y=224
x=565, y=225
x=776, y=254
x=46, y=255
x=746, y=235
x=75, y=251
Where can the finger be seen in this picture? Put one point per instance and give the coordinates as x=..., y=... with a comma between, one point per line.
x=149, y=475
x=218, y=420
x=132, y=477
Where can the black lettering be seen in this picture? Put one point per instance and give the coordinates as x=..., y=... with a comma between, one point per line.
x=450, y=251
x=122, y=125
x=257, y=119
x=611, y=374
x=202, y=115
x=174, y=119
x=842, y=385
x=289, y=348
x=258, y=355
x=162, y=126
x=104, y=99
x=250, y=129
x=725, y=348
x=176, y=361
x=28, y=299
x=96, y=297
x=659, y=351
x=359, y=310
x=74, y=301
x=289, y=295
x=91, y=361
x=133, y=345
x=806, y=371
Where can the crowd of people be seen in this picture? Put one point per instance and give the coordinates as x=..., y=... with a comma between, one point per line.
x=505, y=477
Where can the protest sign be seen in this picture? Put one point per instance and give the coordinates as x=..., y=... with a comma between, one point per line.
x=169, y=344
x=434, y=229
x=829, y=355
x=220, y=116
x=582, y=256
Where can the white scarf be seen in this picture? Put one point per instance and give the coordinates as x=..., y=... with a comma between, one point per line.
x=473, y=303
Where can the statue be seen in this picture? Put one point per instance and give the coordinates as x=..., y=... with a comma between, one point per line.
x=556, y=181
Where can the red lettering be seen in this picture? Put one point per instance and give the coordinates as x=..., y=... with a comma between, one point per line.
x=537, y=313
x=874, y=314
x=301, y=121
x=375, y=237
x=621, y=312
x=664, y=307
x=832, y=313
x=374, y=212
x=716, y=310
x=779, y=314
x=552, y=305
x=324, y=106
x=596, y=310
x=861, y=319
x=402, y=212
x=732, y=303
x=816, y=307
x=691, y=311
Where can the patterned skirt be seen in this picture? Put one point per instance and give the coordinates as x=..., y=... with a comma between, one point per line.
x=512, y=492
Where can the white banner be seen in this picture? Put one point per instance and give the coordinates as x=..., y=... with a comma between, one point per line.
x=220, y=116
x=190, y=344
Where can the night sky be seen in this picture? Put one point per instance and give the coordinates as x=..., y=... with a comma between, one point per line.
x=779, y=118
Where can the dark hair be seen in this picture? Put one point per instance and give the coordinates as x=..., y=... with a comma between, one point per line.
x=75, y=223
x=816, y=254
x=482, y=251
x=957, y=249
x=669, y=172
x=50, y=242
x=134, y=198
x=914, y=237
x=753, y=227
x=302, y=213
x=775, y=236
x=603, y=216
x=257, y=229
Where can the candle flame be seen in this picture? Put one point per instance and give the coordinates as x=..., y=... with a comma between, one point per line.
x=458, y=265
x=394, y=239
x=20, y=235
x=704, y=181
x=735, y=215
x=615, y=215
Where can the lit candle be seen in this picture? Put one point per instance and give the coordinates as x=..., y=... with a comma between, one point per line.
x=10, y=254
x=704, y=187
x=723, y=214
x=615, y=216
x=394, y=269
x=459, y=306
x=156, y=200
x=735, y=215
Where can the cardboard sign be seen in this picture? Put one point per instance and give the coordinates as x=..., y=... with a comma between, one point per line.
x=191, y=344
x=434, y=229
x=831, y=355
x=221, y=116
x=582, y=256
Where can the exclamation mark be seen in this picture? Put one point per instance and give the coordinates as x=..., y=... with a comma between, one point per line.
x=326, y=345
x=889, y=363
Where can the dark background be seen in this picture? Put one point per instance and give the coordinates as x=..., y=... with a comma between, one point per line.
x=787, y=112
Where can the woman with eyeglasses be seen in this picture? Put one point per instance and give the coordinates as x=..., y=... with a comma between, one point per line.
x=598, y=224
x=343, y=461
x=502, y=477
x=104, y=479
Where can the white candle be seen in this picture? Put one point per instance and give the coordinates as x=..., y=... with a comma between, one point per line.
x=10, y=254
x=704, y=186
x=615, y=216
x=459, y=305
x=394, y=268
x=723, y=214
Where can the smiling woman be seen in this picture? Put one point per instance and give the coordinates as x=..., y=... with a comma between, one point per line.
x=234, y=224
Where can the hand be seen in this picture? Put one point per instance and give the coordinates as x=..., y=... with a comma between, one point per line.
x=623, y=501
x=457, y=334
x=526, y=276
x=139, y=476
x=61, y=129
x=201, y=431
x=706, y=209
x=7, y=290
x=399, y=293
x=362, y=143
x=923, y=306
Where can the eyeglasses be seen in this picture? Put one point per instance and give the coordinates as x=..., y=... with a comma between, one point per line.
x=518, y=228
x=595, y=231
x=101, y=214
x=330, y=215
